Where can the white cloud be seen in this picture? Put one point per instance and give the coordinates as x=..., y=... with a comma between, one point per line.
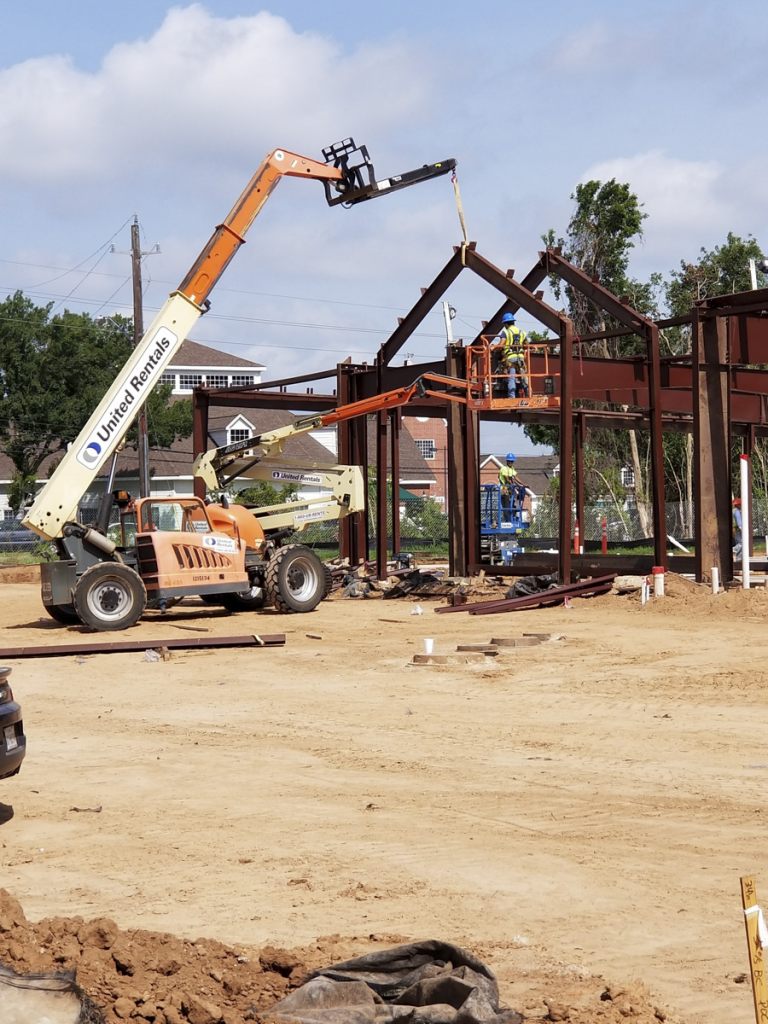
x=600, y=45
x=218, y=88
x=675, y=193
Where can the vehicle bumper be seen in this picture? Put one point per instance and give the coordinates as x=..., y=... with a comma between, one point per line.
x=13, y=742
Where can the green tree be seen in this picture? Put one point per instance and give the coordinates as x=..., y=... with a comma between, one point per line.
x=606, y=223
x=262, y=493
x=54, y=371
x=718, y=271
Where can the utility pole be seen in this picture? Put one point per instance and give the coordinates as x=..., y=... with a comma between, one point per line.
x=138, y=334
x=448, y=314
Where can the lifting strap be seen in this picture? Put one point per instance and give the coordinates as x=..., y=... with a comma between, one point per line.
x=460, y=211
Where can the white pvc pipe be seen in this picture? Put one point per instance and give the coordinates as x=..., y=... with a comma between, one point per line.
x=658, y=581
x=746, y=531
x=715, y=580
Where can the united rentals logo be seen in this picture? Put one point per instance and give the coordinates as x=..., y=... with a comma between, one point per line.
x=296, y=478
x=113, y=423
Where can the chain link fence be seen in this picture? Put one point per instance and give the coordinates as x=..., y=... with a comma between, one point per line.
x=424, y=525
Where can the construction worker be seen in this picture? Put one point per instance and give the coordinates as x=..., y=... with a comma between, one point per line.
x=512, y=342
x=736, y=518
x=509, y=483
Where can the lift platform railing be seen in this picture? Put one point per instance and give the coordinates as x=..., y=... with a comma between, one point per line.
x=488, y=377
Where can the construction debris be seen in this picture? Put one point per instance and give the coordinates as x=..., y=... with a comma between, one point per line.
x=553, y=595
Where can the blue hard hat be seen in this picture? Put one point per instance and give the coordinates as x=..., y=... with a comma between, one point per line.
x=510, y=456
x=508, y=318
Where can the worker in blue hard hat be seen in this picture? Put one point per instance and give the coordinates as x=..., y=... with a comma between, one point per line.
x=512, y=343
x=511, y=487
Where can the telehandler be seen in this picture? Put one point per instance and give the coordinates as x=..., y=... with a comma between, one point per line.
x=169, y=548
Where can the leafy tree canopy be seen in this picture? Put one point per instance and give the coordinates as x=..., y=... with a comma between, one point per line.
x=717, y=271
x=261, y=493
x=54, y=371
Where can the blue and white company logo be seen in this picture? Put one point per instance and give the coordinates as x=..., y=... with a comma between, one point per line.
x=90, y=454
x=123, y=401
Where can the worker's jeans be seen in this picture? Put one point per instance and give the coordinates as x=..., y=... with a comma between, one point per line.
x=513, y=370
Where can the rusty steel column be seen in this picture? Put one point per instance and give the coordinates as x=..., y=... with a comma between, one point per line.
x=657, y=447
x=578, y=433
x=381, y=495
x=458, y=563
x=344, y=449
x=566, y=452
x=199, y=436
x=395, y=418
x=472, y=484
x=359, y=433
x=712, y=436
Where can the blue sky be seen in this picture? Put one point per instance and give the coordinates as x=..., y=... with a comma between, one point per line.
x=113, y=109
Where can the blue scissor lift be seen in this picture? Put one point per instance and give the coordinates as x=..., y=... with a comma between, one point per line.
x=503, y=519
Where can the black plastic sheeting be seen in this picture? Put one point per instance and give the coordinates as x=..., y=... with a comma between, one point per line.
x=427, y=982
x=62, y=989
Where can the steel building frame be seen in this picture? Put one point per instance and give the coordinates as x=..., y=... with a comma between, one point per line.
x=713, y=391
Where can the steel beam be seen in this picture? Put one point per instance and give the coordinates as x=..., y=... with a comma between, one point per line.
x=395, y=420
x=430, y=296
x=381, y=495
x=508, y=286
x=121, y=646
x=456, y=416
x=712, y=463
x=566, y=452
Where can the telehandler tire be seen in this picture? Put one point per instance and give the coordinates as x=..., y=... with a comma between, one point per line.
x=63, y=613
x=327, y=579
x=245, y=601
x=295, y=581
x=110, y=596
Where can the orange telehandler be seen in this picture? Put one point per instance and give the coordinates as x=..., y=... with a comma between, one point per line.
x=169, y=548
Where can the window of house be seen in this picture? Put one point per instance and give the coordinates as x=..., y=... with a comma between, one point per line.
x=428, y=449
x=187, y=381
x=216, y=380
x=243, y=378
x=238, y=434
x=168, y=378
x=627, y=477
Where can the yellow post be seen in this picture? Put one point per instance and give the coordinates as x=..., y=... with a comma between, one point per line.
x=754, y=946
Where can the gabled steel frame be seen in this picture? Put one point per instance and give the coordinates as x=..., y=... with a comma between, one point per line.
x=709, y=392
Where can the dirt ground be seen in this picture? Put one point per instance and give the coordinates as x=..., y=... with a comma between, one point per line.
x=577, y=814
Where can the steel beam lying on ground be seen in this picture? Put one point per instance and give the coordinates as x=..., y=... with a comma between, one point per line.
x=584, y=588
x=121, y=646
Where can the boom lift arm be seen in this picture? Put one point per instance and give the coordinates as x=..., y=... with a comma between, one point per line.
x=345, y=182
x=249, y=458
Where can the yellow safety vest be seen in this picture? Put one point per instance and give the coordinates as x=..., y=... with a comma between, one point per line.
x=507, y=475
x=513, y=345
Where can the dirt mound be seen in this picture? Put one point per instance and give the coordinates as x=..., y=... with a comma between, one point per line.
x=162, y=979
x=20, y=573
x=686, y=598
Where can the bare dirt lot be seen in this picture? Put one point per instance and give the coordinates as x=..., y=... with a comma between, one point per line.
x=583, y=808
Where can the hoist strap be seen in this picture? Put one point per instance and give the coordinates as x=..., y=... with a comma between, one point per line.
x=460, y=211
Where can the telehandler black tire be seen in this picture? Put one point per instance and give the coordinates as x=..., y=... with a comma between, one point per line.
x=328, y=579
x=245, y=601
x=295, y=580
x=110, y=596
x=63, y=613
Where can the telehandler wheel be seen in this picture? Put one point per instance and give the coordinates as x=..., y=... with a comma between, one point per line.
x=327, y=579
x=246, y=601
x=295, y=581
x=110, y=596
x=63, y=613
